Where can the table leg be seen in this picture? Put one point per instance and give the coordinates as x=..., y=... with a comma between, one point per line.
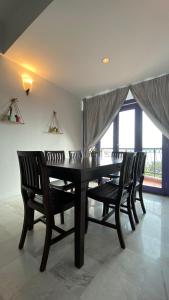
x=80, y=204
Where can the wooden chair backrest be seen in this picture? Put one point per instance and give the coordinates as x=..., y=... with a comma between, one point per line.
x=75, y=154
x=52, y=156
x=127, y=169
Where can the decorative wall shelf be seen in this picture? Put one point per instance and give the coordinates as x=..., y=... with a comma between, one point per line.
x=54, y=127
x=12, y=114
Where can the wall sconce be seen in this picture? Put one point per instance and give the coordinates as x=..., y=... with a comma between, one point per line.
x=27, y=83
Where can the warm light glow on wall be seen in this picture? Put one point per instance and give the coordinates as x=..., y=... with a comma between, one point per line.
x=27, y=83
x=29, y=67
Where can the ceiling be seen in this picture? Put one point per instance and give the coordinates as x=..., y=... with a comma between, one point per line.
x=6, y=8
x=15, y=17
x=66, y=43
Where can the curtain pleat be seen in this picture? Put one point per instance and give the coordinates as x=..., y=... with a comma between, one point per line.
x=99, y=112
x=153, y=98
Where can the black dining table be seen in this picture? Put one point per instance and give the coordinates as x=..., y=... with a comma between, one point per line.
x=80, y=172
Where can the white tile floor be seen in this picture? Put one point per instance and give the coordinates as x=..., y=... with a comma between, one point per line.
x=140, y=272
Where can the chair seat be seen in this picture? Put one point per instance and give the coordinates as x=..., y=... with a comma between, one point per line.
x=59, y=201
x=107, y=192
x=60, y=184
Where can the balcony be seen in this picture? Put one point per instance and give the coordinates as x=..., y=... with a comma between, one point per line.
x=153, y=166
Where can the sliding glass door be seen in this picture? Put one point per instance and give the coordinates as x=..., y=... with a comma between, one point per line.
x=152, y=145
x=127, y=130
x=132, y=130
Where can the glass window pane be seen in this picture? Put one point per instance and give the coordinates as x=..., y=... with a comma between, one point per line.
x=152, y=145
x=152, y=136
x=107, y=139
x=129, y=96
x=127, y=130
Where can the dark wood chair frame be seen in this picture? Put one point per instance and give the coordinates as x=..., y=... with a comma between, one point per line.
x=125, y=183
x=114, y=176
x=116, y=154
x=55, y=156
x=35, y=181
x=77, y=154
x=138, y=178
x=138, y=184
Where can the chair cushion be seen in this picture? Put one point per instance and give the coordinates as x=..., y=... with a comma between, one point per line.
x=59, y=201
x=107, y=192
x=60, y=184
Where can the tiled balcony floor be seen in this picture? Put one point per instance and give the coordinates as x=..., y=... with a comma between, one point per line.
x=154, y=182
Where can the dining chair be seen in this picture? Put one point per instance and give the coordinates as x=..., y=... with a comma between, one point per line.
x=39, y=196
x=118, y=155
x=113, y=176
x=138, y=184
x=116, y=174
x=118, y=196
x=77, y=154
x=54, y=157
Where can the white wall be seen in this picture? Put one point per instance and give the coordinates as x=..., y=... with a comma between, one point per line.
x=36, y=110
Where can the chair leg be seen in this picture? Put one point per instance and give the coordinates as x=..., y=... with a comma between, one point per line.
x=118, y=226
x=48, y=237
x=86, y=215
x=62, y=221
x=30, y=218
x=130, y=214
x=24, y=229
x=133, y=201
x=105, y=209
x=141, y=200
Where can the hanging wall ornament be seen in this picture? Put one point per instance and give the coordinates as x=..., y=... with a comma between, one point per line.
x=12, y=114
x=54, y=125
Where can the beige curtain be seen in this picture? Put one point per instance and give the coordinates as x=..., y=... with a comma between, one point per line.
x=153, y=98
x=99, y=112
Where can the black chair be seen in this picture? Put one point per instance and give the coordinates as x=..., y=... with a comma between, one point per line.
x=116, y=154
x=113, y=176
x=56, y=156
x=38, y=196
x=138, y=183
x=75, y=154
x=118, y=196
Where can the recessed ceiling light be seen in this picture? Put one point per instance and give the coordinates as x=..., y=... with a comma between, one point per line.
x=105, y=60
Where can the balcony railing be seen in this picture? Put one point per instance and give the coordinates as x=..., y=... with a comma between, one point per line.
x=153, y=166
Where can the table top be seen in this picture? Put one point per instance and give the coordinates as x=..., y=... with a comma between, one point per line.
x=85, y=163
